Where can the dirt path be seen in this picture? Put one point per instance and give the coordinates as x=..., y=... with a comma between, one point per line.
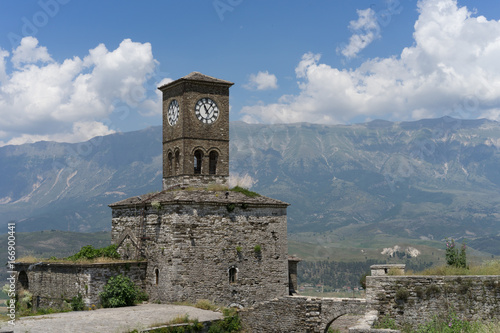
x=116, y=320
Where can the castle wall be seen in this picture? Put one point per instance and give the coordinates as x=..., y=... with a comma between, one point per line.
x=298, y=314
x=195, y=249
x=52, y=283
x=417, y=299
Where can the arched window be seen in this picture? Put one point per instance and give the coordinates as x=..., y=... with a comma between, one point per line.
x=23, y=280
x=198, y=156
x=177, y=159
x=232, y=274
x=213, y=156
x=170, y=159
x=157, y=275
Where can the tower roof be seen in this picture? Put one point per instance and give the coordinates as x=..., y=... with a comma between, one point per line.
x=199, y=196
x=198, y=77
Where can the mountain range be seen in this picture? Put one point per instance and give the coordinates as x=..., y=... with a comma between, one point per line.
x=426, y=180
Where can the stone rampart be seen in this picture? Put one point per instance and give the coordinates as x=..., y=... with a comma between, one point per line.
x=298, y=314
x=415, y=300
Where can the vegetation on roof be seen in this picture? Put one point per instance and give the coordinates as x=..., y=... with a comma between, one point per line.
x=89, y=252
x=245, y=191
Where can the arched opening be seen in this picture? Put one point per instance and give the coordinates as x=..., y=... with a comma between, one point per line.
x=198, y=156
x=233, y=271
x=212, y=166
x=177, y=160
x=341, y=323
x=170, y=160
x=23, y=280
x=157, y=276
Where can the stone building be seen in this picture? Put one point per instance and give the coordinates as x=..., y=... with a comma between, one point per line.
x=196, y=239
x=200, y=239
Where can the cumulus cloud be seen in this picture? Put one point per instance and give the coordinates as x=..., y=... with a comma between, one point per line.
x=29, y=52
x=451, y=69
x=42, y=99
x=262, y=81
x=365, y=30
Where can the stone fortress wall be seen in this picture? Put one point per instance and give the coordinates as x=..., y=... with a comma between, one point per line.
x=52, y=283
x=417, y=299
x=411, y=300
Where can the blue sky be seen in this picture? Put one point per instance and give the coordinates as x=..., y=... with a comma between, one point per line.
x=72, y=69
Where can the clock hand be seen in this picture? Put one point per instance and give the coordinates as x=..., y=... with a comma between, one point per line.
x=209, y=113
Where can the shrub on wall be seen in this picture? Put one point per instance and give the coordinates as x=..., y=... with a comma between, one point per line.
x=119, y=291
x=89, y=252
x=77, y=303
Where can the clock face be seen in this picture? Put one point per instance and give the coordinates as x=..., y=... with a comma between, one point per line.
x=173, y=112
x=206, y=110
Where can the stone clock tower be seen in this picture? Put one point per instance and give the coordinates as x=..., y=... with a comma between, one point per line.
x=199, y=241
x=195, y=131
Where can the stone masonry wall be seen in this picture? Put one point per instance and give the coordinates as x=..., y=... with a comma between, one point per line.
x=194, y=248
x=298, y=314
x=417, y=299
x=51, y=283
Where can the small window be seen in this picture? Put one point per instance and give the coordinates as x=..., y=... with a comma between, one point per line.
x=213, y=162
x=177, y=159
x=170, y=159
x=198, y=156
x=232, y=274
x=157, y=275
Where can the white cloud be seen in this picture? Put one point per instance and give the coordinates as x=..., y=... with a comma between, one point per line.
x=365, y=30
x=452, y=69
x=45, y=100
x=262, y=81
x=29, y=52
x=3, y=74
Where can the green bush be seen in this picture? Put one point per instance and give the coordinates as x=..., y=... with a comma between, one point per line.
x=89, y=252
x=119, y=291
x=230, y=323
x=385, y=323
x=77, y=303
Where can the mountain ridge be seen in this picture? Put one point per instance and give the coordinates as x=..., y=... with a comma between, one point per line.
x=426, y=179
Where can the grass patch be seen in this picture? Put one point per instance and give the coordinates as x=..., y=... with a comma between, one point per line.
x=217, y=187
x=87, y=255
x=491, y=267
x=53, y=260
x=205, y=304
x=180, y=324
x=180, y=320
x=452, y=324
x=245, y=191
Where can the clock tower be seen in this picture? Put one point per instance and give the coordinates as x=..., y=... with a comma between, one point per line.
x=195, y=131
